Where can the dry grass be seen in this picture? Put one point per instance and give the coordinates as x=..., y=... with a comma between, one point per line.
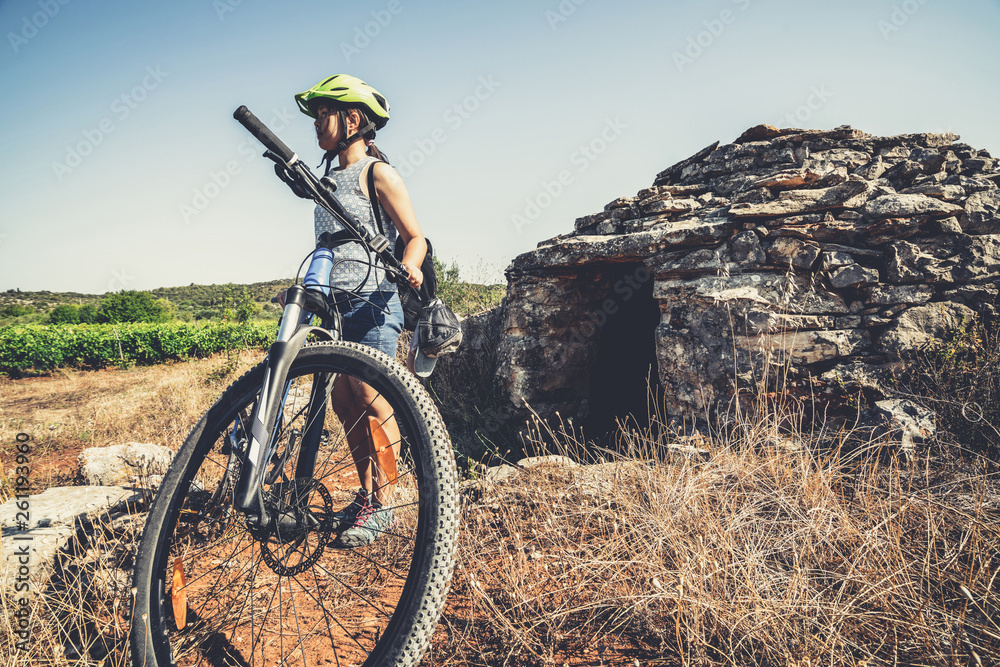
x=776, y=549
x=70, y=410
x=81, y=616
x=767, y=553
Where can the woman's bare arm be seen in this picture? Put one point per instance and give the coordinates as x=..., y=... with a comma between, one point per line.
x=395, y=199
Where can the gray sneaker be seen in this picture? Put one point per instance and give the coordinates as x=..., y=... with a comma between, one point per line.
x=372, y=522
x=346, y=517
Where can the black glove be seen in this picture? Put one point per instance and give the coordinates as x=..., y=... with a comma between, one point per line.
x=291, y=182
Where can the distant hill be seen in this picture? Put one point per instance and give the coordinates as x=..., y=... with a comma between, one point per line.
x=192, y=302
x=204, y=295
x=206, y=302
x=46, y=300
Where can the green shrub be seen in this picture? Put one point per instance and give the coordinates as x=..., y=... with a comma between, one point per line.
x=465, y=298
x=65, y=314
x=88, y=314
x=238, y=304
x=131, y=306
x=16, y=310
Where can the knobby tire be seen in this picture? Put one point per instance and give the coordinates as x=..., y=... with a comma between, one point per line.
x=289, y=596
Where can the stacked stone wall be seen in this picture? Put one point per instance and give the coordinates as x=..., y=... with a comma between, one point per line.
x=831, y=258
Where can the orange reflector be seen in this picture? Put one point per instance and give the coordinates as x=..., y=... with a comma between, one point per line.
x=383, y=450
x=179, y=595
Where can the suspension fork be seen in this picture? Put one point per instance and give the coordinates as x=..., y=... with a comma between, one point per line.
x=291, y=336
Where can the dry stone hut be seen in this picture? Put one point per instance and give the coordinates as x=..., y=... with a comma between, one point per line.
x=835, y=255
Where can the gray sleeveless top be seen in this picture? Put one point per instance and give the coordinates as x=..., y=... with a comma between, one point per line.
x=350, y=261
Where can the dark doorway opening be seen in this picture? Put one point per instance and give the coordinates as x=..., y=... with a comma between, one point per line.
x=625, y=365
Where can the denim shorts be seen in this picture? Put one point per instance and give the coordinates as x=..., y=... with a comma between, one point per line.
x=368, y=323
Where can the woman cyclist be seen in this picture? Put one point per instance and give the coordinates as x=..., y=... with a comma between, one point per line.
x=347, y=113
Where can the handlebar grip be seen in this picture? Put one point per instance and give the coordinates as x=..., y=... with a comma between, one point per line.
x=402, y=275
x=263, y=134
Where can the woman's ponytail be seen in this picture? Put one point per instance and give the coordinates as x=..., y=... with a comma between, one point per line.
x=374, y=152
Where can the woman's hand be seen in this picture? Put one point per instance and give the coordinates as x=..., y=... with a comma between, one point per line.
x=416, y=275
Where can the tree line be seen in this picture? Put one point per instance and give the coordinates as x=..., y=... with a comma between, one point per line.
x=238, y=303
x=201, y=303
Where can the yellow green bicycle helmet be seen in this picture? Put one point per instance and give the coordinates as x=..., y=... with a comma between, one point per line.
x=349, y=91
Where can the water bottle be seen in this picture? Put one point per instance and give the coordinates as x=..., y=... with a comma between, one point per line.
x=318, y=274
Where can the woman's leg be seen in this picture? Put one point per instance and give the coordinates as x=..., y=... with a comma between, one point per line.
x=354, y=401
x=378, y=325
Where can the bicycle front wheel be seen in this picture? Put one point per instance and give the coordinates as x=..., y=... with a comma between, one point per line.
x=213, y=588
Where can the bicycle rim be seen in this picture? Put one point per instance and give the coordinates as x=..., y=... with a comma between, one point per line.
x=218, y=591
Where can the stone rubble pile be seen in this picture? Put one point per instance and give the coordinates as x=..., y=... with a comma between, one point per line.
x=838, y=253
x=57, y=518
x=37, y=530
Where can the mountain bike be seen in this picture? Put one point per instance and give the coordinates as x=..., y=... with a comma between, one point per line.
x=239, y=563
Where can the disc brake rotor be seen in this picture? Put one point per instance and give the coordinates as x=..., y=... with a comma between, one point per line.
x=301, y=525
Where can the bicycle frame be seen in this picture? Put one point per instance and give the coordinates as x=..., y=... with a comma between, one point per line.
x=302, y=301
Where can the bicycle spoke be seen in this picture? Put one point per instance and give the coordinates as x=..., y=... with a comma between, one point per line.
x=298, y=628
x=326, y=620
x=285, y=590
x=354, y=590
x=248, y=601
x=399, y=575
x=263, y=621
x=218, y=576
x=341, y=626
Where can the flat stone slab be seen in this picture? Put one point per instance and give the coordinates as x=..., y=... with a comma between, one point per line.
x=596, y=479
x=32, y=533
x=123, y=465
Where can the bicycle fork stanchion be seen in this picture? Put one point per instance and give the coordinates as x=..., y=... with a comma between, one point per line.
x=291, y=335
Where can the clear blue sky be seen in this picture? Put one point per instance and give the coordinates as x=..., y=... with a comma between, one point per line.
x=118, y=130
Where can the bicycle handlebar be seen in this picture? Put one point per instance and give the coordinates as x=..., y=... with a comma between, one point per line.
x=320, y=191
x=264, y=135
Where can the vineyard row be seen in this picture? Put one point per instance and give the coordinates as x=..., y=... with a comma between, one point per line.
x=44, y=347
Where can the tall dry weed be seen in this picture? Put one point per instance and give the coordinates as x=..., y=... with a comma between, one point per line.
x=764, y=554
x=80, y=615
